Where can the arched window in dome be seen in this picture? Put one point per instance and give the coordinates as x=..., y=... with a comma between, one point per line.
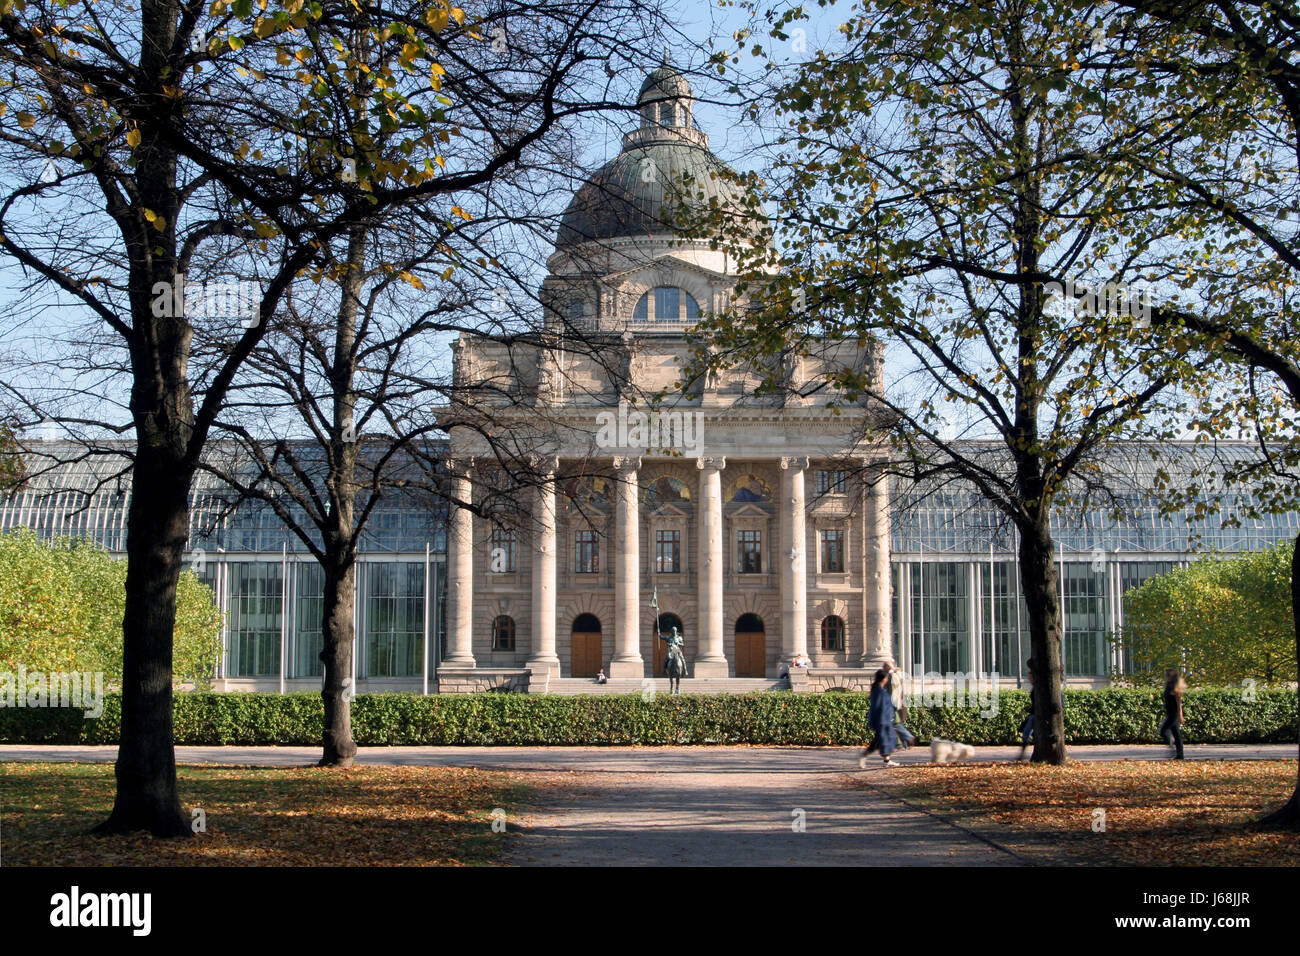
x=670, y=304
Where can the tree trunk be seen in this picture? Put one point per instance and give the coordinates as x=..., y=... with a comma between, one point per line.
x=1039, y=580
x=339, y=538
x=147, y=797
x=339, y=748
x=1288, y=815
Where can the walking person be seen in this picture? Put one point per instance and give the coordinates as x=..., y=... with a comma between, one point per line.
x=896, y=685
x=1027, y=728
x=880, y=718
x=1172, y=728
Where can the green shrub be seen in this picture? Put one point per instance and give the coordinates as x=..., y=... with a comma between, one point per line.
x=1116, y=716
x=61, y=608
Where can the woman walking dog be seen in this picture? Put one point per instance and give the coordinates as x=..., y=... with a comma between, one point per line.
x=880, y=718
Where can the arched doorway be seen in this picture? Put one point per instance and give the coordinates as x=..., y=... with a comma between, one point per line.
x=586, y=657
x=666, y=624
x=751, y=646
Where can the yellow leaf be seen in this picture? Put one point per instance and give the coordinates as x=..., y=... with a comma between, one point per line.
x=26, y=120
x=133, y=138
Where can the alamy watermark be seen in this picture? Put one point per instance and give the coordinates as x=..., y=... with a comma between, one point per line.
x=973, y=689
x=236, y=300
x=668, y=430
x=1113, y=298
x=82, y=690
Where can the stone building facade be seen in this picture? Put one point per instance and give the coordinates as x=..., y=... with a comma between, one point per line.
x=757, y=522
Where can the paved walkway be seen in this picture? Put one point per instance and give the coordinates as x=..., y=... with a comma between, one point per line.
x=701, y=759
x=713, y=806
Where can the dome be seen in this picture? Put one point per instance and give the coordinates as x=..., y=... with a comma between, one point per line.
x=664, y=171
x=641, y=192
x=664, y=83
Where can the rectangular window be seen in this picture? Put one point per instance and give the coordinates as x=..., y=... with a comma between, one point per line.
x=504, y=549
x=668, y=551
x=830, y=482
x=1083, y=612
x=256, y=596
x=941, y=626
x=749, y=559
x=832, y=551
x=310, y=637
x=394, y=619
x=586, y=553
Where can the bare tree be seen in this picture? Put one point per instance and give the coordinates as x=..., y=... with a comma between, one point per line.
x=229, y=135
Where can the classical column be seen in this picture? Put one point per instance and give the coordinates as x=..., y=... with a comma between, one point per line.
x=877, y=603
x=541, y=656
x=710, y=660
x=627, y=660
x=460, y=573
x=794, y=560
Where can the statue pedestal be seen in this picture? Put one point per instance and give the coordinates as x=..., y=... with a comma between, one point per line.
x=705, y=670
x=633, y=669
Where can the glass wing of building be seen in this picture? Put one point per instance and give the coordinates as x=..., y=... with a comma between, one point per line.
x=957, y=604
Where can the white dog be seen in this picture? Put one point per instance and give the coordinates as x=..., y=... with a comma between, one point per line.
x=943, y=751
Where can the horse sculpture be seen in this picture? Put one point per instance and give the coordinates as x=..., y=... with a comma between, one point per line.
x=674, y=661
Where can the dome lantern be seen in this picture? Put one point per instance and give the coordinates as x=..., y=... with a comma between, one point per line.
x=666, y=99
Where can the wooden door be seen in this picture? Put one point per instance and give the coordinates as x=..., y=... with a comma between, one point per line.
x=586, y=653
x=751, y=654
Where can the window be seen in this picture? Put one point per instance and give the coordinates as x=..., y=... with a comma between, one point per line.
x=830, y=482
x=666, y=113
x=832, y=551
x=504, y=549
x=668, y=551
x=503, y=634
x=310, y=622
x=749, y=559
x=256, y=596
x=832, y=633
x=586, y=553
x=394, y=619
x=670, y=304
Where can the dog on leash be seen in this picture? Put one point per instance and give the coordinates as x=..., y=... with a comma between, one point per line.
x=945, y=751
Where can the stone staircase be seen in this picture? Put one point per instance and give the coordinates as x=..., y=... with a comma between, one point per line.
x=731, y=685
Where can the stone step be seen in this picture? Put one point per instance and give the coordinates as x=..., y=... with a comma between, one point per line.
x=715, y=685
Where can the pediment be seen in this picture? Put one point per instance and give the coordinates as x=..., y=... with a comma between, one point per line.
x=653, y=272
x=668, y=511
x=749, y=510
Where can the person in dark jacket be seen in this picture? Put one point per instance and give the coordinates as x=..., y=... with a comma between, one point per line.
x=880, y=719
x=1027, y=728
x=1172, y=729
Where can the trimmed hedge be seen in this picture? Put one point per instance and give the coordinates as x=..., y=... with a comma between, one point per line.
x=1114, y=716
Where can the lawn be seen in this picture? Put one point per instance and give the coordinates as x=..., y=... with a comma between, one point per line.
x=267, y=816
x=1159, y=813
